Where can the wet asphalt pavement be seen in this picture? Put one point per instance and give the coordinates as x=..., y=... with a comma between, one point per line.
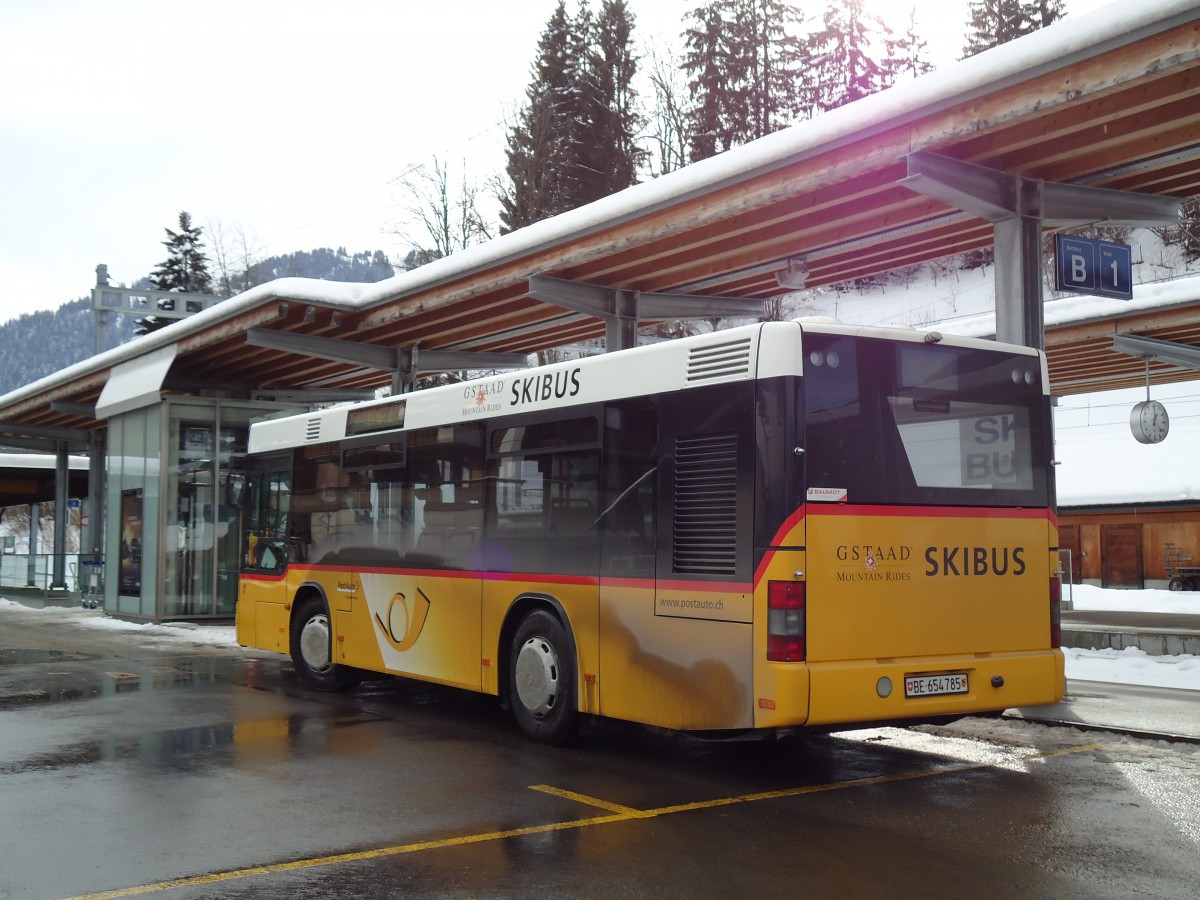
x=178, y=771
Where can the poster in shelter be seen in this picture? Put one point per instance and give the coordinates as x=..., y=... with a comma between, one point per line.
x=131, y=543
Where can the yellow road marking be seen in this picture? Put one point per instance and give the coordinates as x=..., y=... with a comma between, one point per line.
x=592, y=801
x=619, y=814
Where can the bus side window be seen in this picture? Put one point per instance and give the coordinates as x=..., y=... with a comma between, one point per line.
x=627, y=508
x=839, y=452
x=446, y=467
x=268, y=500
x=545, y=477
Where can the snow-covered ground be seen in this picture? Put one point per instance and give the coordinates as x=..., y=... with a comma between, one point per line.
x=1121, y=667
x=1133, y=666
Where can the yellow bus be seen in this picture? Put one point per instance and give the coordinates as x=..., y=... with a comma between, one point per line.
x=777, y=527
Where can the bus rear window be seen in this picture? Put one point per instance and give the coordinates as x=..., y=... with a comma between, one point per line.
x=923, y=424
x=958, y=444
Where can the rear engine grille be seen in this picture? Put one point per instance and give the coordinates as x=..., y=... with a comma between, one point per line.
x=705, y=505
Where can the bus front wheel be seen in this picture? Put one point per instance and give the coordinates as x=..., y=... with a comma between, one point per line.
x=542, y=679
x=312, y=648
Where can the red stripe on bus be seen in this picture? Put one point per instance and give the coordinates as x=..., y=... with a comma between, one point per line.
x=586, y=580
x=261, y=576
x=927, y=512
x=633, y=584
x=713, y=587
x=786, y=528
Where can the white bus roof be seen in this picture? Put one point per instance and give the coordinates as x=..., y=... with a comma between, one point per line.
x=737, y=354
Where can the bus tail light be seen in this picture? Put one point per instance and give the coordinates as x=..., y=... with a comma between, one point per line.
x=785, y=621
x=1055, y=612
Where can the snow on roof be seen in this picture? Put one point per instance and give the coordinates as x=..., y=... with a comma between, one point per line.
x=1072, y=310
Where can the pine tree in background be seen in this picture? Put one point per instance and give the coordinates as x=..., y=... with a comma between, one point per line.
x=186, y=267
x=744, y=68
x=841, y=55
x=777, y=62
x=610, y=154
x=575, y=110
x=535, y=143
x=185, y=270
x=711, y=63
x=995, y=22
x=1045, y=12
x=575, y=139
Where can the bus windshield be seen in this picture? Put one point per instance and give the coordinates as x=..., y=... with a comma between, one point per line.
x=923, y=424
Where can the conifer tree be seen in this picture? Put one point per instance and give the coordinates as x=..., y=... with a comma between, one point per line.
x=185, y=271
x=995, y=22
x=710, y=60
x=186, y=267
x=535, y=143
x=575, y=139
x=611, y=152
x=776, y=65
x=744, y=68
x=842, y=57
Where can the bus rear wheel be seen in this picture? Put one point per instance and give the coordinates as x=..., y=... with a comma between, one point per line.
x=542, y=679
x=312, y=649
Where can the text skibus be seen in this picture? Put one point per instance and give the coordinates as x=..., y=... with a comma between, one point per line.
x=774, y=527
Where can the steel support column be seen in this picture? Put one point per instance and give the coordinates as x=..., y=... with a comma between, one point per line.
x=1018, y=258
x=91, y=532
x=1018, y=208
x=35, y=516
x=62, y=482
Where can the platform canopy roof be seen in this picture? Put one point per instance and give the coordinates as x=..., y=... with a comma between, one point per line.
x=30, y=478
x=1104, y=100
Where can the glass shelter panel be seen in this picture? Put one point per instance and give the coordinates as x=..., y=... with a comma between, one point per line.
x=190, y=517
x=131, y=535
x=205, y=446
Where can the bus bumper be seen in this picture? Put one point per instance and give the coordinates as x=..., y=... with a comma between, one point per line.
x=912, y=689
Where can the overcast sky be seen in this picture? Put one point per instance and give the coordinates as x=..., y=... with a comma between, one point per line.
x=288, y=121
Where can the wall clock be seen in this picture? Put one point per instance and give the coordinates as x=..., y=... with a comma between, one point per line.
x=1149, y=421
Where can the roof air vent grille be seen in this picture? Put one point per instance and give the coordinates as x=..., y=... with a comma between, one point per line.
x=730, y=359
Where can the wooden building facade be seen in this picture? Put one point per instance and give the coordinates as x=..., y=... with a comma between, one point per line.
x=1134, y=545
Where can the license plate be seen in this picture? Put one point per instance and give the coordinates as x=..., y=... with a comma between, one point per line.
x=933, y=685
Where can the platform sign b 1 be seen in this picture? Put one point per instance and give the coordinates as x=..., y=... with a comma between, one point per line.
x=1087, y=266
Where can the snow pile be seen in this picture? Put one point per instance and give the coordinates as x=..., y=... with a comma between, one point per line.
x=147, y=634
x=1095, y=599
x=1133, y=666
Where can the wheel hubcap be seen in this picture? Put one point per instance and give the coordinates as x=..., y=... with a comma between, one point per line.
x=537, y=676
x=314, y=643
